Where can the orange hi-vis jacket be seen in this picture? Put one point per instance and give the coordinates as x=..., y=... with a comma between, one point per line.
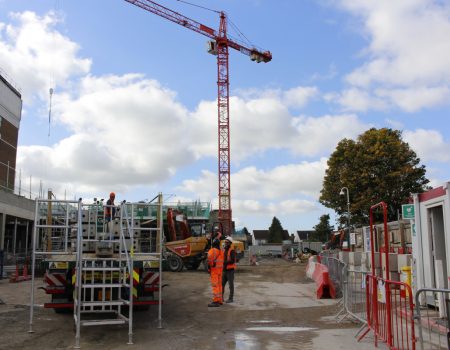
x=215, y=264
x=230, y=261
x=215, y=258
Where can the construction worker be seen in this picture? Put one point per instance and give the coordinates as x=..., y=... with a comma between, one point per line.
x=215, y=268
x=110, y=210
x=229, y=267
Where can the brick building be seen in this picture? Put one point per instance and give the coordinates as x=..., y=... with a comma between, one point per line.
x=10, y=114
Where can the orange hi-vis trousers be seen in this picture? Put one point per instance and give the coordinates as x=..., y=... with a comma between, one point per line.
x=216, y=284
x=215, y=263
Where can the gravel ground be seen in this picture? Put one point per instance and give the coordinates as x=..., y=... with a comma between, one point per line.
x=275, y=308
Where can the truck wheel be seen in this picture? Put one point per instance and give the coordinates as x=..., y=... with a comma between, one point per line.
x=175, y=263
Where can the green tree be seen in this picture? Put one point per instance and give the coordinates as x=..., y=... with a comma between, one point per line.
x=378, y=166
x=323, y=230
x=275, y=231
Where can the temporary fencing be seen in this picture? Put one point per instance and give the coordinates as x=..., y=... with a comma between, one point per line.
x=390, y=313
x=433, y=317
x=354, y=295
x=1, y=264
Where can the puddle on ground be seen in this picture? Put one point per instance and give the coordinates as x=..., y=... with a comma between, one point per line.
x=280, y=329
x=244, y=341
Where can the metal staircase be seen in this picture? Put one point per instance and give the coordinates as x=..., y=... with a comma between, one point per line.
x=99, y=268
x=103, y=283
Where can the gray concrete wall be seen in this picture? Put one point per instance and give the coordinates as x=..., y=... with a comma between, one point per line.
x=14, y=205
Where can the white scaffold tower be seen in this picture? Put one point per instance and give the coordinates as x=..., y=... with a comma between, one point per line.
x=101, y=268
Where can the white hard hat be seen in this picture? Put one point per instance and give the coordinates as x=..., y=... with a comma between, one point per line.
x=229, y=239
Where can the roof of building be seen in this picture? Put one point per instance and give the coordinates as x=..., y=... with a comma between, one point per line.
x=304, y=234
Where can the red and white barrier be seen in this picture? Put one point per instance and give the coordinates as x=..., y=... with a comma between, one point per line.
x=319, y=273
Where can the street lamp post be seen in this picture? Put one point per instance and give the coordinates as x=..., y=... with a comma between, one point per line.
x=348, y=211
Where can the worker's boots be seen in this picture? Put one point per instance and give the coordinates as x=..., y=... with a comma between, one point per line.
x=214, y=304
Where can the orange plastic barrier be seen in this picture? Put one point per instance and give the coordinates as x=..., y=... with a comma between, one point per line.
x=319, y=273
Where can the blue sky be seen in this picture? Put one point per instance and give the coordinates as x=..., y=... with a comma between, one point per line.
x=134, y=103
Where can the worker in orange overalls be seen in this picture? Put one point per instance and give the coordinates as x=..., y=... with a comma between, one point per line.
x=215, y=267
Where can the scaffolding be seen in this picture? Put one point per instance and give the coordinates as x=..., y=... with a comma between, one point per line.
x=106, y=264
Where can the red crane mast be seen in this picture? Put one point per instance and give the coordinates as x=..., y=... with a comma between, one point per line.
x=219, y=46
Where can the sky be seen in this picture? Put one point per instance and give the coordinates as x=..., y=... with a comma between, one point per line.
x=134, y=102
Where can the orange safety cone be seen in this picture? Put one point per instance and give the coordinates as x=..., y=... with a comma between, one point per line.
x=13, y=277
x=25, y=276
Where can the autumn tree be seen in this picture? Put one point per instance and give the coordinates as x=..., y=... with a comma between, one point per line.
x=323, y=230
x=378, y=166
x=275, y=231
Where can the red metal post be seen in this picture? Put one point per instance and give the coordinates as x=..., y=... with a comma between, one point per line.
x=386, y=251
x=223, y=99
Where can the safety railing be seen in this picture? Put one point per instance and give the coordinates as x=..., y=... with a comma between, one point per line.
x=2, y=262
x=433, y=318
x=354, y=294
x=390, y=313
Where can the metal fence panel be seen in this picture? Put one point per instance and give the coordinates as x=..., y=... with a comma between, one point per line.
x=1, y=264
x=390, y=313
x=336, y=271
x=433, y=317
x=355, y=294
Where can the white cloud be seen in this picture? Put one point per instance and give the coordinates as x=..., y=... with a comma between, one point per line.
x=293, y=206
x=124, y=130
x=429, y=145
x=265, y=123
x=317, y=136
x=415, y=98
x=303, y=179
x=395, y=124
x=408, y=48
x=37, y=55
x=356, y=99
x=299, y=96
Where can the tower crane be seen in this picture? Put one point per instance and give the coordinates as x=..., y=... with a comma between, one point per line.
x=218, y=45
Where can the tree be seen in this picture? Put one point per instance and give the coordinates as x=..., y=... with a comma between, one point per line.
x=379, y=166
x=275, y=231
x=323, y=230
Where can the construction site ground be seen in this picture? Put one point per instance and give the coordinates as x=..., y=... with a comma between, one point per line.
x=275, y=308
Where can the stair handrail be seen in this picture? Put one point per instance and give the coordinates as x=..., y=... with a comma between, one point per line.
x=78, y=276
x=124, y=215
x=129, y=257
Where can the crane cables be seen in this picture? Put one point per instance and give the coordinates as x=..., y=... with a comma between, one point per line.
x=199, y=6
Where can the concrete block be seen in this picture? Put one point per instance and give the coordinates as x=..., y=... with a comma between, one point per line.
x=394, y=276
x=393, y=262
x=354, y=258
x=377, y=260
x=343, y=256
x=365, y=258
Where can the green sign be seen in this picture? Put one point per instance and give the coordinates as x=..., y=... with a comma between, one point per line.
x=408, y=211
